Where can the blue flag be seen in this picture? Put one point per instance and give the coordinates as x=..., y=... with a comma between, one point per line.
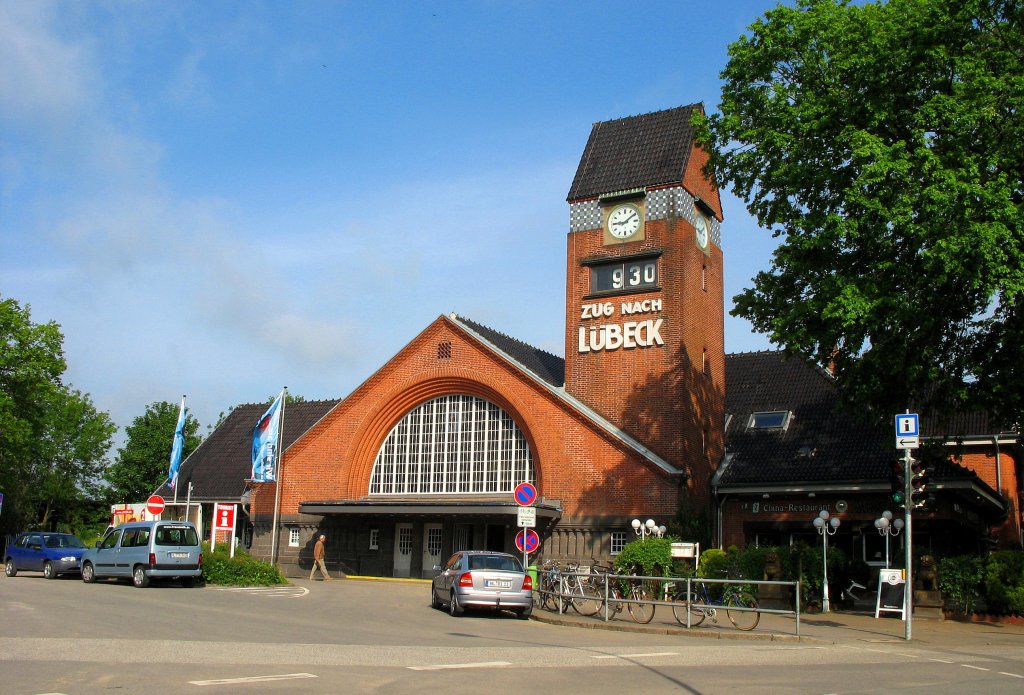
x=177, y=447
x=264, y=443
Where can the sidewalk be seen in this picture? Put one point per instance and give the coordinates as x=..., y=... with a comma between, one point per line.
x=830, y=628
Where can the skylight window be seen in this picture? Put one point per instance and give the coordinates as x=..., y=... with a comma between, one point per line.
x=772, y=420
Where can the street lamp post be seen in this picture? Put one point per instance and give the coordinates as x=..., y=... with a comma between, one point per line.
x=826, y=527
x=647, y=528
x=887, y=526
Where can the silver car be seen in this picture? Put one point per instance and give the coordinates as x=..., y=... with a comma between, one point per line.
x=482, y=579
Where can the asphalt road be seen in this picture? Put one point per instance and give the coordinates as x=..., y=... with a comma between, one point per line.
x=65, y=636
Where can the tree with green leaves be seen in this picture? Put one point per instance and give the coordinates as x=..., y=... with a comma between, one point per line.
x=142, y=463
x=53, y=441
x=882, y=144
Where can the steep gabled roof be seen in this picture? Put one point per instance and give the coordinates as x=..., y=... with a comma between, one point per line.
x=547, y=367
x=651, y=149
x=220, y=465
x=822, y=443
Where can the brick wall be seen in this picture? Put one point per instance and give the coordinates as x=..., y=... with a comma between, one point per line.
x=591, y=473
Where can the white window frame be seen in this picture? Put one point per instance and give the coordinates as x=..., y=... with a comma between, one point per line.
x=455, y=444
x=293, y=536
x=787, y=415
x=374, y=539
x=617, y=540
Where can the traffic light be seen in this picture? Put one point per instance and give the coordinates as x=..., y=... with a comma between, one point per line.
x=897, y=484
x=920, y=496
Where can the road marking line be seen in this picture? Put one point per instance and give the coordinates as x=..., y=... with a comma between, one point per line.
x=254, y=679
x=1014, y=675
x=976, y=668
x=941, y=661
x=441, y=667
x=633, y=656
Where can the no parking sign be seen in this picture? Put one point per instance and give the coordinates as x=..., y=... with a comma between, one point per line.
x=528, y=541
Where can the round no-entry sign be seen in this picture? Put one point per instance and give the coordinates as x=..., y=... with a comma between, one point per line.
x=155, y=504
x=528, y=541
x=525, y=494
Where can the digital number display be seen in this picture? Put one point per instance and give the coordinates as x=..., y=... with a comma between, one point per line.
x=628, y=276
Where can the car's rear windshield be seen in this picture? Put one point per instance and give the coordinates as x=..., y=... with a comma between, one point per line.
x=62, y=542
x=176, y=535
x=494, y=562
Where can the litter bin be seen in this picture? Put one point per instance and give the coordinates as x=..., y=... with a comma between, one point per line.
x=532, y=571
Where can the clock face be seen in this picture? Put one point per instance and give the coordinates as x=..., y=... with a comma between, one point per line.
x=624, y=221
x=701, y=225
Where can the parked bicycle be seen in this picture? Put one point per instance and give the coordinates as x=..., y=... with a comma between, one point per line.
x=740, y=605
x=633, y=594
x=568, y=585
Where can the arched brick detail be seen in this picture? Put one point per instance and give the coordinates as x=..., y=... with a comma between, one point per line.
x=409, y=396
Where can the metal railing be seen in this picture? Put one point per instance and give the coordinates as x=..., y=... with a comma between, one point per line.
x=667, y=589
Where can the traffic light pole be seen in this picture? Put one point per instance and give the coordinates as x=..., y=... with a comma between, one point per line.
x=908, y=588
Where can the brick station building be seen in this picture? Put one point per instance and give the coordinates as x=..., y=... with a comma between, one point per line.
x=422, y=458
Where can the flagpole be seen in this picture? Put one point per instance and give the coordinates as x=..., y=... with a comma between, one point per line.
x=277, y=478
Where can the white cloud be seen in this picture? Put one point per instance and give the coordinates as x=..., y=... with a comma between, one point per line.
x=41, y=76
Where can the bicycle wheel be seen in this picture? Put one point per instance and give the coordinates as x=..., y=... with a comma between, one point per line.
x=697, y=609
x=743, y=620
x=548, y=601
x=589, y=600
x=642, y=613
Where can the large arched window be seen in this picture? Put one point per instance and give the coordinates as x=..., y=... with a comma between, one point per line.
x=451, y=445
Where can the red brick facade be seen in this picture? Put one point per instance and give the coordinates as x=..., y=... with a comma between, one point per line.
x=589, y=472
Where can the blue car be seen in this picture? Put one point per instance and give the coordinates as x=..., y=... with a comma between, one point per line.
x=52, y=554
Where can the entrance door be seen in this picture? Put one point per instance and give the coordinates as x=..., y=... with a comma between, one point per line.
x=496, y=537
x=403, y=550
x=431, y=548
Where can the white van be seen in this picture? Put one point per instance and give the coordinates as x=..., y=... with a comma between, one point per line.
x=142, y=550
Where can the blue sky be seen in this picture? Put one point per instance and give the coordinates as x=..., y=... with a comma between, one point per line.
x=219, y=199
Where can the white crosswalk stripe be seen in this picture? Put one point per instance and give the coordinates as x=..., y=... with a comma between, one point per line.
x=269, y=591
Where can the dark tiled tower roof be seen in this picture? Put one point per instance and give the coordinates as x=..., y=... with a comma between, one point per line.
x=548, y=367
x=652, y=149
x=220, y=465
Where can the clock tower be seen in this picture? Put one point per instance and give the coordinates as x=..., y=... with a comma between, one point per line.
x=644, y=344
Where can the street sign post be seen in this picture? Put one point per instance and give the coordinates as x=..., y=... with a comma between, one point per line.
x=223, y=520
x=907, y=438
x=527, y=540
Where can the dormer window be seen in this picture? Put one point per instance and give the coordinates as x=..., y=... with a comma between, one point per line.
x=769, y=420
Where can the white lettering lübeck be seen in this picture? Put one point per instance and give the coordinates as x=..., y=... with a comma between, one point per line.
x=612, y=336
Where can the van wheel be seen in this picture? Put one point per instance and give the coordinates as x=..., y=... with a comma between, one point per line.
x=88, y=573
x=139, y=577
x=48, y=571
x=10, y=569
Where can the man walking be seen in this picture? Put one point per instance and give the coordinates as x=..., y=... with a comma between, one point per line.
x=318, y=558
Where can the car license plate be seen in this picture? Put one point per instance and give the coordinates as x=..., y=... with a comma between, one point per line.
x=498, y=583
x=177, y=555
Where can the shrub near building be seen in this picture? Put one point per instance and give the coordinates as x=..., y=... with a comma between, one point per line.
x=241, y=570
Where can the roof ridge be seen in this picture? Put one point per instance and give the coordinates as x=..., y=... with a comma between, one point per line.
x=466, y=319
